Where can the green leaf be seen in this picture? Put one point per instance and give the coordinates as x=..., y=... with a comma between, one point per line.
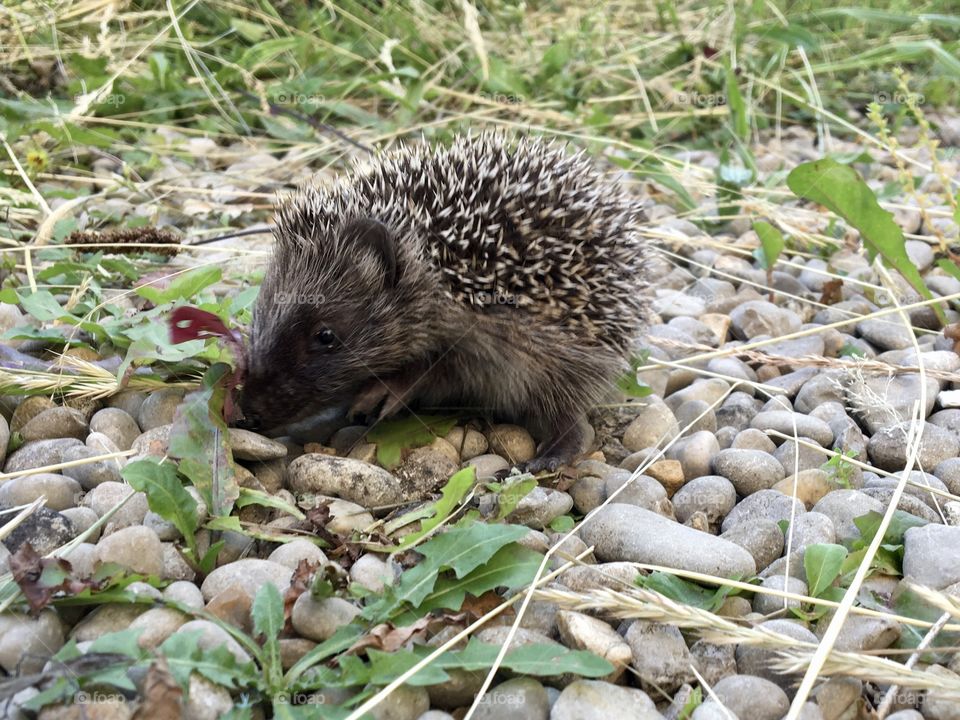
x=822, y=563
x=841, y=189
x=199, y=438
x=460, y=549
x=393, y=436
x=450, y=496
x=42, y=305
x=562, y=524
x=684, y=591
x=513, y=566
x=869, y=524
x=511, y=492
x=386, y=666
x=219, y=665
x=628, y=382
x=546, y=660
x=182, y=287
x=738, y=108
x=166, y=495
x=948, y=267
x=267, y=612
x=771, y=243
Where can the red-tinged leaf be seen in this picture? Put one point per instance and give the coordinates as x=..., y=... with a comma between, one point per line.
x=41, y=578
x=299, y=584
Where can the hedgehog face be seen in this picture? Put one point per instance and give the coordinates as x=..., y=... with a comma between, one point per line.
x=313, y=348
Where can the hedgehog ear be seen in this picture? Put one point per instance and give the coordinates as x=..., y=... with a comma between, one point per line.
x=370, y=233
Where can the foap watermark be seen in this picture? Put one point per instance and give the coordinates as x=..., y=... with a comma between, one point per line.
x=300, y=698
x=699, y=99
x=897, y=97
x=298, y=98
x=497, y=697
x=86, y=697
x=297, y=297
x=497, y=297
x=114, y=99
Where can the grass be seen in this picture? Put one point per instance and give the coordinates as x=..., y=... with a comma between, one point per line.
x=194, y=115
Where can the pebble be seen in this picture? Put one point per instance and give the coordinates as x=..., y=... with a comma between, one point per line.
x=924, y=560
x=737, y=411
x=156, y=625
x=749, y=470
x=809, y=486
x=759, y=317
x=205, y=700
x=584, y=632
x=755, y=660
x=318, y=620
x=184, y=592
x=90, y=474
x=136, y=548
x=748, y=696
x=406, y=702
x=640, y=490
x=488, y=465
x=522, y=698
x=888, y=447
x=60, y=492
x=709, y=391
x=107, y=496
x=40, y=453
x=768, y=604
x=669, y=473
x=714, y=662
x=511, y=442
x=250, y=574
x=292, y=553
x=948, y=472
x=28, y=409
x=751, y=439
x=695, y=453
x=158, y=408
x=627, y=532
x=863, y=634
x=55, y=422
x=885, y=333
x=116, y=424
x=598, y=700
x=842, y=507
x=892, y=399
x=44, y=529
x=769, y=504
x=838, y=697
x=352, y=480
x=468, y=442
x=26, y=643
x=661, y=659
x=372, y=573
x=712, y=495
x=247, y=445
x=763, y=539
x=654, y=426
x=811, y=528
x=210, y=636
x=540, y=507
x=794, y=424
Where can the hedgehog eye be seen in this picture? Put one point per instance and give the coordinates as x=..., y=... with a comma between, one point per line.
x=325, y=336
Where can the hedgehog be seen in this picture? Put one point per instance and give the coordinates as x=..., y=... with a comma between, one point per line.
x=503, y=276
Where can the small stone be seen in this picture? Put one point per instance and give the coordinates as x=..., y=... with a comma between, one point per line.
x=212, y=636
x=842, y=507
x=468, y=442
x=511, y=442
x=893, y=399
x=291, y=554
x=159, y=408
x=626, y=532
x=888, y=447
x=60, y=492
x=488, y=465
x=248, y=573
x=838, y=697
x=925, y=561
x=318, y=620
x=45, y=530
x=372, y=573
x=406, y=702
x=769, y=504
x=749, y=470
x=712, y=495
x=205, y=700
x=864, y=634
x=352, y=480
x=640, y=490
x=809, y=486
x=521, y=698
x=156, y=625
x=540, y=507
x=768, y=604
x=185, y=593
x=811, y=528
x=107, y=496
x=748, y=696
x=26, y=643
x=794, y=424
x=660, y=655
x=82, y=519
x=56, y=422
x=116, y=424
x=941, y=704
x=751, y=439
x=763, y=539
x=40, y=453
x=90, y=474
x=759, y=317
x=668, y=473
x=695, y=453
x=696, y=415
x=885, y=333
x=737, y=411
x=654, y=426
x=136, y=548
x=714, y=662
x=247, y=445
x=759, y=661
x=598, y=700
x=583, y=632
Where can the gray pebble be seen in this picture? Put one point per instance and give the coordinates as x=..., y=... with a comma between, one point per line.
x=752, y=697
x=522, y=698
x=749, y=470
x=90, y=474
x=769, y=604
x=642, y=491
x=626, y=532
x=660, y=655
x=654, y=426
x=842, y=507
x=159, y=408
x=116, y=424
x=540, y=507
x=248, y=574
x=751, y=439
x=60, y=492
x=763, y=539
x=57, y=422
x=712, y=495
x=352, y=480
x=888, y=447
x=39, y=454
x=755, y=660
x=885, y=333
x=695, y=453
x=794, y=424
x=318, y=620
x=26, y=643
x=136, y=548
x=597, y=700
x=770, y=504
x=760, y=317
x=924, y=560
x=44, y=529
